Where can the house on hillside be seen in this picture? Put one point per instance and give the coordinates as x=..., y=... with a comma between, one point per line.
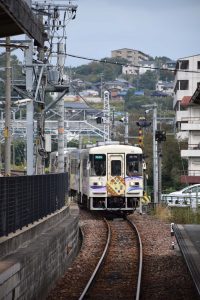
x=187, y=107
x=117, y=87
x=166, y=87
x=146, y=65
x=169, y=65
x=130, y=70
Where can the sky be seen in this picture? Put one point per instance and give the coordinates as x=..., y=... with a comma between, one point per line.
x=156, y=27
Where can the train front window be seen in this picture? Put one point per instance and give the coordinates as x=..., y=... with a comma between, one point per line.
x=116, y=168
x=97, y=164
x=133, y=164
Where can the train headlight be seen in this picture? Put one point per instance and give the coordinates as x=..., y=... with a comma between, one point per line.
x=133, y=183
x=97, y=183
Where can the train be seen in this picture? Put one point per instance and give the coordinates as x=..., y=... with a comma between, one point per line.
x=107, y=176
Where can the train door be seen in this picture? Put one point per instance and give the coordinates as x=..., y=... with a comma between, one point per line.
x=115, y=179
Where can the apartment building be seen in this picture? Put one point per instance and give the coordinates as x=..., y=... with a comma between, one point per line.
x=133, y=56
x=187, y=106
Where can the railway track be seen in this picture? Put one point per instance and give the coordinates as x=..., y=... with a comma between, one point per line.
x=164, y=274
x=118, y=272
x=14, y=172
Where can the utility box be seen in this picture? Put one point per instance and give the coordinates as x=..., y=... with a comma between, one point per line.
x=48, y=142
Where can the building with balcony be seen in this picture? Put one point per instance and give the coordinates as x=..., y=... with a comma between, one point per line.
x=187, y=78
x=187, y=106
x=134, y=57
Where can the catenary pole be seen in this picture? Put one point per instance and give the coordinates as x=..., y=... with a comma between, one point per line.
x=30, y=106
x=7, y=133
x=126, y=128
x=155, y=155
x=60, y=106
x=29, y=110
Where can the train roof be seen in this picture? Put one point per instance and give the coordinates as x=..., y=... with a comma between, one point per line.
x=66, y=150
x=115, y=148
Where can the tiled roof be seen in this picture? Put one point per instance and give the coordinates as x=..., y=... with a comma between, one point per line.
x=185, y=101
x=196, y=96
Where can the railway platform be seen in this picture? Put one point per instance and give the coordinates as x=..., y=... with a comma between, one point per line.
x=188, y=239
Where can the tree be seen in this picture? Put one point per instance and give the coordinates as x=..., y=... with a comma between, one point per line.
x=92, y=71
x=147, y=80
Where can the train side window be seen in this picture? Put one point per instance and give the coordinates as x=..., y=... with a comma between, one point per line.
x=133, y=164
x=97, y=164
x=116, y=168
x=85, y=170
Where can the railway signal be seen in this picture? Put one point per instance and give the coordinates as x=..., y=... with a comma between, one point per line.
x=160, y=136
x=142, y=122
x=99, y=120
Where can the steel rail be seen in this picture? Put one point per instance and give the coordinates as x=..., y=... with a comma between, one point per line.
x=99, y=263
x=137, y=296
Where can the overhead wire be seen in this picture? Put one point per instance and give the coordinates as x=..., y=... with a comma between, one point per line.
x=77, y=92
x=106, y=61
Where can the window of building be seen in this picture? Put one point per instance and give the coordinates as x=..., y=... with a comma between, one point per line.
x=184, y=64
x=198, y=65
x=184, y=84
x=181, y=85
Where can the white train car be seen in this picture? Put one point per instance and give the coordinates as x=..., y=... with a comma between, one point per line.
x=111, y=177
x=53, y=160
x=74, y=172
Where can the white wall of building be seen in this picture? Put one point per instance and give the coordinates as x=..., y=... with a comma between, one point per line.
x=192, y=77
x=190, y=118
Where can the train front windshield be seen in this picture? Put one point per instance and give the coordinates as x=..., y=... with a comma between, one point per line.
x=133, y=164
x=97, y=164
x=116, y=168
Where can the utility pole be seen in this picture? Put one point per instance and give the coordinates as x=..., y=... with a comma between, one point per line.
x=8, y=110
x=126, y=128
x=160, y=137
x=155, y=150
x=101, y=85
x=60, y=62
x=159, y=171
x=106, y=116
x=57, y=38
x=29, y=109
x=30, y=106
x=155, y=155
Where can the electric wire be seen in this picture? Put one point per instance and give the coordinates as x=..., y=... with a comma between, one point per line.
x=106, y=61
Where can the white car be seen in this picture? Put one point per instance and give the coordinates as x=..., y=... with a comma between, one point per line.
x=189, y=195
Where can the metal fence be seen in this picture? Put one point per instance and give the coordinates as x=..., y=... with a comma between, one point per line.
x=26, y=199
x=181, y=200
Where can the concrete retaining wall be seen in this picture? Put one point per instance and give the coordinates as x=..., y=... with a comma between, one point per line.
x=30, y=271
